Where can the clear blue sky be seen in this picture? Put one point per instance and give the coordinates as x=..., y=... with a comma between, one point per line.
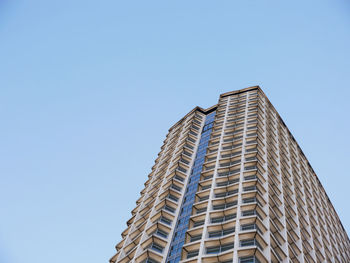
x=88, y=90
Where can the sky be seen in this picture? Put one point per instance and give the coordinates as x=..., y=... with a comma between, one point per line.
x=89, y=89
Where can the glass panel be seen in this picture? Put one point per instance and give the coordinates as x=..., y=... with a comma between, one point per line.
x=191, y=189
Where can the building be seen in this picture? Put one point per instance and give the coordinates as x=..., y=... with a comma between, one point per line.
x=231, y=184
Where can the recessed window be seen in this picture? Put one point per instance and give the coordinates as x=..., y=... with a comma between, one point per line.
x=161, y=233
x=198, y=223
x=249, y=213
x=224, y=206
x=192, y=254
x=248, y=227
x=223, y=232
x=219, y=249
x=248, y=260
x=149, y=260
x=165, y=220
x=156, y=247
x=223, y=219
x=196, y=238
x=250, y=242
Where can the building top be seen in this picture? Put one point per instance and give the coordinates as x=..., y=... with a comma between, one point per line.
x=251, y=88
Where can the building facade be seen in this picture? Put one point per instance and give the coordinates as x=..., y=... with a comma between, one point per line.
x=231, y=184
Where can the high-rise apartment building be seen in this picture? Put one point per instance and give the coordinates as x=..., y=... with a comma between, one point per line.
x=231, y=184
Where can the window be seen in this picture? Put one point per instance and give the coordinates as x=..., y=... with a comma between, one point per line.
x=233, y=181
x=223, y=232
x=230, y=164
x=247, y=243
x=228, y=231
x=192, y=254
x=231, y=146
x=181, y=169
x=205, y=187
x=219, y=249
x=189, y=146
x=198, y=223
x=250, y=135
x=211, y=159
x=250, y=149
x=184, y=161
x=227, y=173
x=169, y=208
x=207, y=177
x=232, y=192
x=196, y=121
x=248, y=159
x=227, y=247
x=213, y=250
x=217, y=219
x=161, y=233
x=177, y=188
x=249, y=188
x=249, y=213
x=201, y=210
x=248, y=168
x=248, y=260
x=165, y=220
x=149, y=260
x=195, y=127
x=223, y=219
x=179, y=178
x=220, y=195
x=203, y=198
x=230, y=155
x=195, y=238
x=187, y=153
x=215, y=234
x=250, y=242
x=224, y=206
x=172, y=197
x=250, y=177
x=156, y=247
x=249, y=200
x=252, y=128
x=248, y=227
